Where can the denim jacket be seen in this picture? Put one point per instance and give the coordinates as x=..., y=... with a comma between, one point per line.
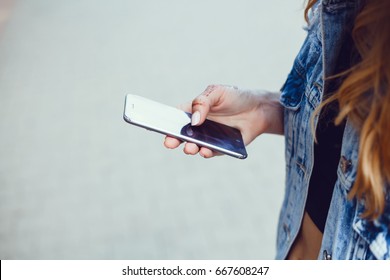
x=346, y=234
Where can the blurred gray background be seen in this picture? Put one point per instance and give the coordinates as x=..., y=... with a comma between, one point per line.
x=77, y=182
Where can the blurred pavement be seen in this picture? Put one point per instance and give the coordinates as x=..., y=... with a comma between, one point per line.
x=77, y=182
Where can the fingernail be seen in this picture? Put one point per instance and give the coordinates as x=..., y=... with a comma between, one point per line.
x=195, y=118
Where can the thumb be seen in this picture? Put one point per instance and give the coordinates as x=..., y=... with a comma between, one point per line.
x=202, y=104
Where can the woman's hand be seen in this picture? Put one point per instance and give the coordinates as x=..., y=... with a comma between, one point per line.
x=253, y=113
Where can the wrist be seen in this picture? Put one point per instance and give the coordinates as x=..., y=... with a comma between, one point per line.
x=272, y=113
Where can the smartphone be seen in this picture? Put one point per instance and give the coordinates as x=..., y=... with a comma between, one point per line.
x=176, y=123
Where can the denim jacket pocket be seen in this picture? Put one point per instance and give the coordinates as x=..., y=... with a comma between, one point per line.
x=300, y=100
x=292, y=91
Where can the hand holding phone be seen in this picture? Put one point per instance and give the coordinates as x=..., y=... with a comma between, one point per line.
x=175, y=123
x=253, y=112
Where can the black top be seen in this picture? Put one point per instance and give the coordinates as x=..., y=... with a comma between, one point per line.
x=326, y=158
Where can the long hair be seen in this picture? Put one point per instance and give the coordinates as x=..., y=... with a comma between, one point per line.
x=364, y=98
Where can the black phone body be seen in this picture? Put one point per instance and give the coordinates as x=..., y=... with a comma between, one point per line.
x=176, y=123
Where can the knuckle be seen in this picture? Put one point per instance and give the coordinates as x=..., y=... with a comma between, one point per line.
x=210, y=89
x=200, y=100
